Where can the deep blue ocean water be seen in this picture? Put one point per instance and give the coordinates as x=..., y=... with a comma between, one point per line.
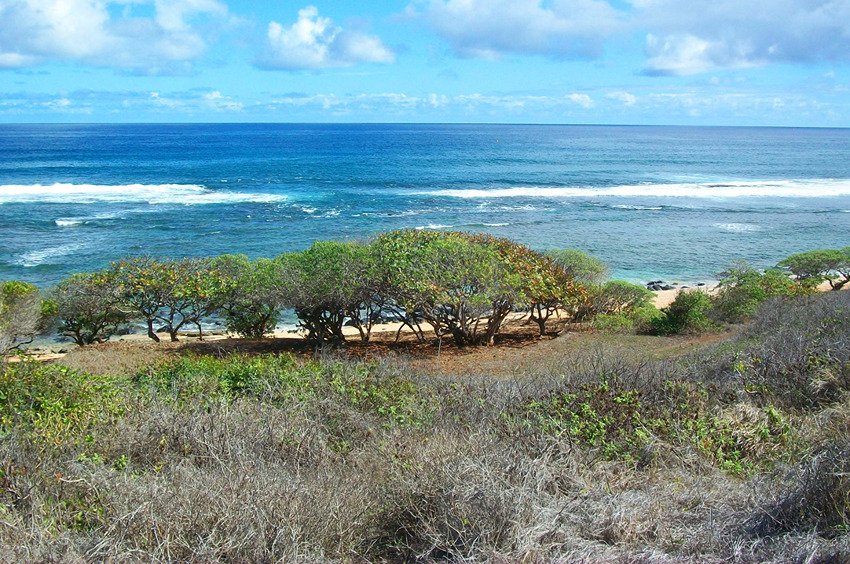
x=677, y=203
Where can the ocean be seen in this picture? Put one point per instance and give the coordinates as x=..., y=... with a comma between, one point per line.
x=672, y=203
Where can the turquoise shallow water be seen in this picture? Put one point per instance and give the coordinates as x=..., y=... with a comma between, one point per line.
x=677, y=203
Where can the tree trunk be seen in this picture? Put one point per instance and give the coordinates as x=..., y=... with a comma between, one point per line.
x=151, y=332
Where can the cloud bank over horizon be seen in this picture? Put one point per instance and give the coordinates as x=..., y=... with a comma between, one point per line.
x=720, y=60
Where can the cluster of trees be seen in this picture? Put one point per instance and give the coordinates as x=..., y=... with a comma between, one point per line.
x=625, y=307
x=461, y=285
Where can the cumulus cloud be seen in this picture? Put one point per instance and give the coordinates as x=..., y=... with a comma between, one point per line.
x=705, y=35
x=491, y=28
x=627, y=98
x=314, y=42
x=682, y=38
x=95, y=32
x=582, y=100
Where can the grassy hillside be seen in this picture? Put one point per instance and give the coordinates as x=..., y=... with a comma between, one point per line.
x=586, y=447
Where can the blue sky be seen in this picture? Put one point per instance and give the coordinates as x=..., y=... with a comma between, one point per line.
x=702, y=62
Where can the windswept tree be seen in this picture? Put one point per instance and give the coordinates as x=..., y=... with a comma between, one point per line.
x=546, y=287
x=89, y=306
x=336, y=283
x=169, y=293
x=20, y=314
x=251, y=294
x=813, y=267
x=459, y=284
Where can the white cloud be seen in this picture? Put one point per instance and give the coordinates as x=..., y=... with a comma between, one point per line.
x=217, y=101
x=314, y=42
x=627, y=98
x=87, y=31
x=704, y=35
x=582, y=100
x=491, y=28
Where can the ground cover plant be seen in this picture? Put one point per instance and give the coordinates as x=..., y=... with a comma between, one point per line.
x=736, y=450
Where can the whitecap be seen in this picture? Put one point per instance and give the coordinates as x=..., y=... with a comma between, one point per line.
x=638, y=208
x=187, y=194
x=820, y=188
x=433, y=226
x=68, y=222
x=738, y=227
x=42, y=256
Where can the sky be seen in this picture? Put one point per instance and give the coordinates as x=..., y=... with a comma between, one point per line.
x=687, y=62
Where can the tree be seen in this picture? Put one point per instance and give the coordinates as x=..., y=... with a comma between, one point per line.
x=547, y=287
x=336, y=281
x=89, y=306
x=172, y=292
x=813, y=267
x=20, y=314
x=580, y=266
x=689, y=313
x=456, y=282
x=251, y=294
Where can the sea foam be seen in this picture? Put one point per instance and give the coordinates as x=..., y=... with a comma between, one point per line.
x=187, y=194
x=820, y=188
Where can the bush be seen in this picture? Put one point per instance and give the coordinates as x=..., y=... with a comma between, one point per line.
x=614, y=297
x=54, y=405
x=743, y=289
x=88, y=307
x=20, y=314
x=688, y=314
x=251, y=294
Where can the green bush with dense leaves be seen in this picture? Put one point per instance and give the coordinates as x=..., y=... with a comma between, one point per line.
x=743, y=289
x=690, y=313
x=251, y=294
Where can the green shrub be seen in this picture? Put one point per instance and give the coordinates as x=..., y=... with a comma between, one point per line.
x=813, y=267
x=335, y=282
x=743, y=289
x=579, y=266
x=460, y=284
x=54, y=405
x=688, y=314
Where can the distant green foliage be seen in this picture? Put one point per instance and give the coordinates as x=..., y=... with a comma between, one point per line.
x=813, y=267
x=456, y=283
x=579, y=265
x=743, y=289
x=172, y=293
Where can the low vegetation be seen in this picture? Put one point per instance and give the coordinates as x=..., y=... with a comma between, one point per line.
x=733, y=451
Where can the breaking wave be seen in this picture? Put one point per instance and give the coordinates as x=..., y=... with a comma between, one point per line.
x=821, y=188
x=186, y=194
